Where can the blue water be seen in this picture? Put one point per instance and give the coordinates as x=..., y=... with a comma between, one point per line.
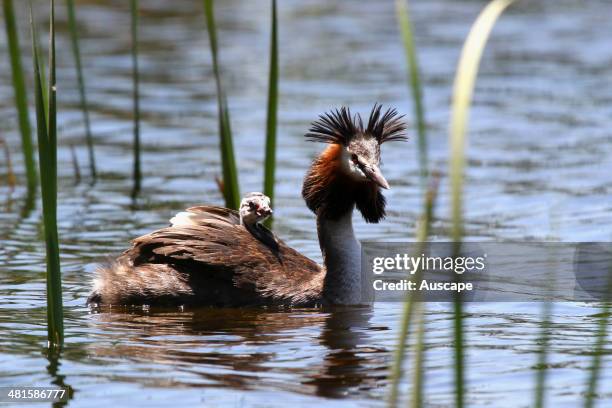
x=539, y=161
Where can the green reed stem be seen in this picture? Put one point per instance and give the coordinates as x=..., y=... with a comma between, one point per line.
x=419, y=361
x=270, y=160
x=403, y=16
x=463, y=89
x=47, y=152
x=409, y=304
x=600, y=342
x=20, y=96
x=544, y=340
x=10, y=175
x=136, y=97
x=597, y=354
x=43, y=78
x=542, y=356
x=75, y=165
x=74, y=37
x=458, y=348
x=405, y=24
x=398, y=354
x=231, y=189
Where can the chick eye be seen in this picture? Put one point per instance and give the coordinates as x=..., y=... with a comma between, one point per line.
x=354, y=158
x=251, y=205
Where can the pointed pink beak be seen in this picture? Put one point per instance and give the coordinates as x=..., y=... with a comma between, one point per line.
x=373, y=173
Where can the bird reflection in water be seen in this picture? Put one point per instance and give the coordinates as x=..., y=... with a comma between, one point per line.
x=248, y=349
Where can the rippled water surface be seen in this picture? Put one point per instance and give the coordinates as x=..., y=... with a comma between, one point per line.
x=539, y=169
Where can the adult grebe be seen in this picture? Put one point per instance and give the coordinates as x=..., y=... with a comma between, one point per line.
x=206, y=257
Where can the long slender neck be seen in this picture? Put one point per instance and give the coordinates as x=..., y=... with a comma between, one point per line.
x=342, y=258
x=331, y=194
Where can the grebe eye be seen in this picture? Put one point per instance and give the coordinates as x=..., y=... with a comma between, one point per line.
x=251, y=205
x=354, y=158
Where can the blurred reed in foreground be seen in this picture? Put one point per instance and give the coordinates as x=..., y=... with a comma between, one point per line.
x=463, y=89
x=416, y=87
x=413, y=306
x=599, y=346
x=465, y=79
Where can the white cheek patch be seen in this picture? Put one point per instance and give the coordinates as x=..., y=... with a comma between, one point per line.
x=349, y=167
x=357, y=171
x=345, y=161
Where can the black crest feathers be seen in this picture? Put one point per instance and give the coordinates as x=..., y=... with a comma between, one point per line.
x=340, y=126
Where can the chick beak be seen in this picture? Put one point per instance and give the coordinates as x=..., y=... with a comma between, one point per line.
x=264, y=212
x=373, y=173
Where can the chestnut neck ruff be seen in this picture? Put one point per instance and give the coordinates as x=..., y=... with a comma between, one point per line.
x=330, y=193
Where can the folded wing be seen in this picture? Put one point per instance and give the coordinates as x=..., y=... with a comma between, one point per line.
x=213, y=253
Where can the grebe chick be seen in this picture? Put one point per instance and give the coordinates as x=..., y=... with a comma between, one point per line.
x=208, y=256
x=254, y=209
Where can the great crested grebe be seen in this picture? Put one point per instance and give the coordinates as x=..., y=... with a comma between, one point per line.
x=207, y=257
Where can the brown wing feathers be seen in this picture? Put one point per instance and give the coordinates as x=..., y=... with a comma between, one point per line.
x=225, y=258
